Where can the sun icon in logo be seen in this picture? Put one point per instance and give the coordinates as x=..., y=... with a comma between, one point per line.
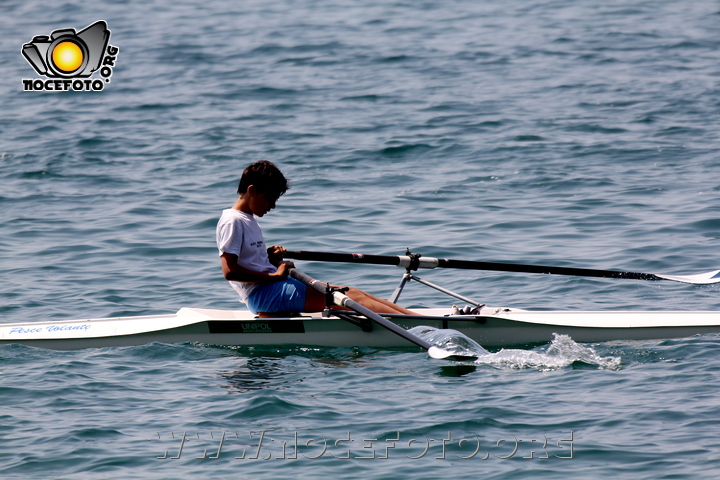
x=67, y=56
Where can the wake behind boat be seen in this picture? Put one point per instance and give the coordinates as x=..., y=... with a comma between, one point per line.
x=488, y=326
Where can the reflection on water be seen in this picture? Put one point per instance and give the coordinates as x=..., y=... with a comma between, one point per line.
x=258, y=373
x=456, y=370
x=281, y=368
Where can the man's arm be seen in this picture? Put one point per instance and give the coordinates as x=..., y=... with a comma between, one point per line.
x=232, y=271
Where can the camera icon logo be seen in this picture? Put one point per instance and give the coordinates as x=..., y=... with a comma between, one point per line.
x=68, y=54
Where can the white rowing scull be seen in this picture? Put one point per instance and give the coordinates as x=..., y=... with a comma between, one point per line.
x=488, y=326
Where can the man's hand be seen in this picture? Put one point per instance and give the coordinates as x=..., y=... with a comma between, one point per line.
x=276, y=254
x=283, y=269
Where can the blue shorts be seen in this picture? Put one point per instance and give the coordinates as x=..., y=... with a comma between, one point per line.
x=284, y=296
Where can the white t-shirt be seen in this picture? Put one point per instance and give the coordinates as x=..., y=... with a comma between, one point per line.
x=239, y=233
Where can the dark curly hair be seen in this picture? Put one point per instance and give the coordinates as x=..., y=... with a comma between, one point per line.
x=266, y=177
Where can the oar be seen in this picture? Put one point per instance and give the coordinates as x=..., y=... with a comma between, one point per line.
x=414, y=262
x=343, y=300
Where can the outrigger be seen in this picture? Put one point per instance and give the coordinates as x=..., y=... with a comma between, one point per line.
x=488, y=326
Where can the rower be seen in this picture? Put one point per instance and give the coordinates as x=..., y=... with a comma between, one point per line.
x=259, y=274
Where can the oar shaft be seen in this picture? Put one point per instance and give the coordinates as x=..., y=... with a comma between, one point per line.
x=394, y=260
x=343, y=300
x=544, y=269
x=430, y=262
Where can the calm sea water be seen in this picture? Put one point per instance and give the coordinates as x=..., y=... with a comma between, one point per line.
x=570, y=133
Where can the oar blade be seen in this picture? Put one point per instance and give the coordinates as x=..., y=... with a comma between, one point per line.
x=440, y=354
x=699, y=279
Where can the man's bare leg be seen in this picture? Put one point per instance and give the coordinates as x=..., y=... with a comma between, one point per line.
x=315, y=302
x=377, y=305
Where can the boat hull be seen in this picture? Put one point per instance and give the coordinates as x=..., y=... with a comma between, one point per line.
x=491, y=328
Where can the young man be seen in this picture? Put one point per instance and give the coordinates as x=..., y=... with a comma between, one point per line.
x=258, y=273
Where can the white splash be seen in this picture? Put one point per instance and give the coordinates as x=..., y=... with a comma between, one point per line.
x=560, y=353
